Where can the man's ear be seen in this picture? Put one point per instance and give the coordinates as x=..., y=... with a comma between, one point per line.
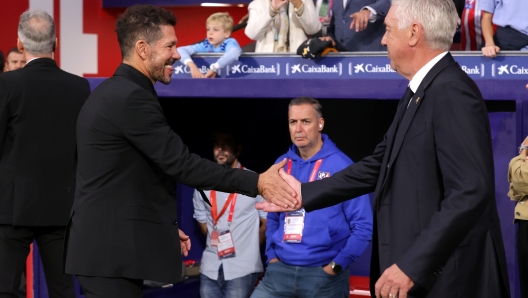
x=142, y=49
x=55, y=44
x=415, y=33
x=20, y=46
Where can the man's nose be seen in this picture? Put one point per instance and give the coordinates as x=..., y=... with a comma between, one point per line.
x=176, y=55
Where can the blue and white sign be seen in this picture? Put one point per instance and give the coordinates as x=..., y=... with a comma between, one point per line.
x=360, y=67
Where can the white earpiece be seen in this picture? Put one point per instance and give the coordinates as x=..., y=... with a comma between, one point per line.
x=320, y=126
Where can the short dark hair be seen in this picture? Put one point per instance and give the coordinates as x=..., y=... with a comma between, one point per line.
x=141, y=22
x=308, y=100
x=234, y=134
x=13, y=50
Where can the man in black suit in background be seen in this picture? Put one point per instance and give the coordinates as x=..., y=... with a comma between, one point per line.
x=39, y=105
x=123, y=227
x=437, y=230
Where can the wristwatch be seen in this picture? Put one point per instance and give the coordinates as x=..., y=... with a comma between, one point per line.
x=214, y=67
x=336, y=267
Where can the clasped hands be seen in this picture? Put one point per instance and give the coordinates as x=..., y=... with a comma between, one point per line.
x=281, y=191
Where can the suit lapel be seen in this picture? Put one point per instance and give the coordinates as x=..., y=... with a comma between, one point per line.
x=411, y=110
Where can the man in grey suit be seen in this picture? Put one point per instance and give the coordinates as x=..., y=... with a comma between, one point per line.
x=39, y=105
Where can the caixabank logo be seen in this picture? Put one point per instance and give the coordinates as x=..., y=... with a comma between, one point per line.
x=258, y=69
x=182, y=70
x=368, y=68
x=304, y=68
x=498, y=70
x=475, y=70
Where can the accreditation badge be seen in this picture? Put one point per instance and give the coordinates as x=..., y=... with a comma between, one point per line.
x=293, y=226
x=226, y=246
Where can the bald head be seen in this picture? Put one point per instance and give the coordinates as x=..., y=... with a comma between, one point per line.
x=36, y=32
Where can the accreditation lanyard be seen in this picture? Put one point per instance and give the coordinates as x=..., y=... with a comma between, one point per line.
x=294, y=220
x=223, y=240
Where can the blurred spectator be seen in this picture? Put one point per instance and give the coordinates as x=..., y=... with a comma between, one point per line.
x=357, y=25
x=517, y=176
x=229, y=271
x=471, y=27
x=324, y=10
x=309, y=252
x=280, y=26
x=219, y=27
x=512, y=26
x=1, y=61
x=14, y=60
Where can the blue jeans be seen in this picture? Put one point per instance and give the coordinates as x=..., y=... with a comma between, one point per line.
x=282, y=280
x=240, y=287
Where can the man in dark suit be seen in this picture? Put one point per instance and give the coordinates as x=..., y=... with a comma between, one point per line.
x=123, y=226
x=39, y=105
x=437, y=231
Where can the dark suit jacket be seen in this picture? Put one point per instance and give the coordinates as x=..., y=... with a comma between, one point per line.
x=436, y=216
x=39, y=105
x=350, y=40
x=123, y=220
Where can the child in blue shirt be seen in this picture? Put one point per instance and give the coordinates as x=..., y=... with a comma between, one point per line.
x=219, y=26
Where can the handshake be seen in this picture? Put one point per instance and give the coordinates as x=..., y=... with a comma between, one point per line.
x=281, y=191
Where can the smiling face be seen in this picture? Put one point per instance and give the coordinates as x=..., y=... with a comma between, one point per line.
x=163, y=55
x=305, y=127
x=216, y=33
x=396, y=41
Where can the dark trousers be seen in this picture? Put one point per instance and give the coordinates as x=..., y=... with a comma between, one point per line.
x=110, y=287
x=14, y=249
x=509, y=39
x=522, y=256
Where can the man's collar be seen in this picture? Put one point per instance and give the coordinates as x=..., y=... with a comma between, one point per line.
x=135, y=76
x=420, y=75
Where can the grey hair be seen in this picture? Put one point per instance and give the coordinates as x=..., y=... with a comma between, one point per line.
x=439, y=19
x=36, y=30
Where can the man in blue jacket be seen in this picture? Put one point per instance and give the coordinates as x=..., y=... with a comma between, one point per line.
x=309, y=252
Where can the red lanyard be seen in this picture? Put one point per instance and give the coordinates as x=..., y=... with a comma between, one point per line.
x=214, y=211
x=314, y=171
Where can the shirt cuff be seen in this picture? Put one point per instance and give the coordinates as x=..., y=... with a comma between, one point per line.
x=343, y=261
x=373, y=13
x=186, y=61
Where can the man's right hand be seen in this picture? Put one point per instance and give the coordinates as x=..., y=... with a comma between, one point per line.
x=275, y=190
x=273, y=260
x=271, y=206
x=277, y=4
x=195, y=72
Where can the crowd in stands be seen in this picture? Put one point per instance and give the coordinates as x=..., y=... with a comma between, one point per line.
x=283, y=26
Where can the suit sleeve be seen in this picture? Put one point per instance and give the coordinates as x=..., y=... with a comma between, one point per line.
x=353, y=181
x=464, y=157
x=381, y=7
x=4, y=114
x=145, y=127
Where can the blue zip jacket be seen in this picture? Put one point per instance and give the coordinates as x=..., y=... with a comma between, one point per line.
x=339, y=233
